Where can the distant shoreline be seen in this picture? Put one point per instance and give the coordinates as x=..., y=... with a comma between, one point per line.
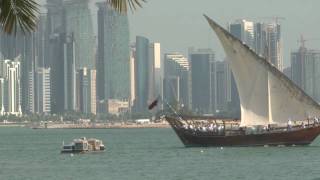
x=101, y=126
x=12, y=125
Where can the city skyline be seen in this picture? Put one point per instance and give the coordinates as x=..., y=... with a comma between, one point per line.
x=149, y=20
x=187, y=27
x=129, y=74
x=159, y=89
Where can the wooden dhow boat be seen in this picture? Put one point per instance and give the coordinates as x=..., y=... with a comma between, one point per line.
x=274, y=111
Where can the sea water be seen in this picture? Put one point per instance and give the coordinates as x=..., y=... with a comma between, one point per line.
x=138, y=154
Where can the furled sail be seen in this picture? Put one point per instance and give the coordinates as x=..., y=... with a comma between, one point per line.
x=266, y=95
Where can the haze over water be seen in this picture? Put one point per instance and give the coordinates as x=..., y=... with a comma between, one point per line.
x=139, y=154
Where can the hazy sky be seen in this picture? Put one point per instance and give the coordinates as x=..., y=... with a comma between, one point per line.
x=179, y=24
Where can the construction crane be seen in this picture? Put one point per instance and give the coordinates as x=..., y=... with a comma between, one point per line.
x=274, y=18
x=303, y=41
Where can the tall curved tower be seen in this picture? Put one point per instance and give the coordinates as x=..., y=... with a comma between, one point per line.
x=113, y=70
x=79, y=23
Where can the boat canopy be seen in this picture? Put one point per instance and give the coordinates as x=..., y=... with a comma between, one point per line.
x=267, y=96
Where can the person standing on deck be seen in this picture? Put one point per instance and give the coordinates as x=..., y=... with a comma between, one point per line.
x=289, y=125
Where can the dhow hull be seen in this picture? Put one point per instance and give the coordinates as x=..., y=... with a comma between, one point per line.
x=302, y=136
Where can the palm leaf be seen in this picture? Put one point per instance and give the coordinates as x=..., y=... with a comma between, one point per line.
x=18, y=15
x=122, y=6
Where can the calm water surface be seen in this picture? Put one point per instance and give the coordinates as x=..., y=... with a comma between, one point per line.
x=138, y=154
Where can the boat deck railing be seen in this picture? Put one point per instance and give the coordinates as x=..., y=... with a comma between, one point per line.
x=230, y=127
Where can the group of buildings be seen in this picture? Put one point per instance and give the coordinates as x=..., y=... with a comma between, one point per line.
x=66, y=66
x=206, y=85
x=305, y=70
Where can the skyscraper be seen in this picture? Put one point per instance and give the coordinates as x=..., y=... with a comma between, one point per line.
x=221, y=77
x=11, y=73
x=25, y=46
x=86, y=91
x=268, y=43
x=14, y=91
x=39, y=93
x=55, y=17
x=79, y=23
x=243, y=30
x=263, y=38
x=132, y=76
x=69, y=73
x=113, y=69
x=141, y=74
x=155, y=70
x=55, y=56
x=305, y=71
x=177, y=80
x=203, y=81
x=2, y=96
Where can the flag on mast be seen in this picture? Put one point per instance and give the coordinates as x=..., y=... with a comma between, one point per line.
x=153, y=104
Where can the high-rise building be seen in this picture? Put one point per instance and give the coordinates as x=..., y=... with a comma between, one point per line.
x=78, y=22
x=268, y=43
x=305, y=71
x=171, y=91
x=56, y=57
x=158, y=66
x=93, y=91
x=155, y=74
x=2, y=96
x=55, y=16
x=31, y=92
x=86, y=91
x=203, y=81
x=24, y=45
x=132, y=76
x=113, y=68
x=69, y=73
x=141, y=74
x=55, y=38
x=243, y=30
x=263, y=38
x=177, y=81
x=11, y=73
x=39, y=93
x=221, y=77
x=14, y=90
x=297, y=66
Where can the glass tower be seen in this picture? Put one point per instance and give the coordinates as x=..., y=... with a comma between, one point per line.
x=79, y=22
x=113, y=69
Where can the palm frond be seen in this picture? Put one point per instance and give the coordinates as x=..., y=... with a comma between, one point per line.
x=123, y=6
x=18, y=14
